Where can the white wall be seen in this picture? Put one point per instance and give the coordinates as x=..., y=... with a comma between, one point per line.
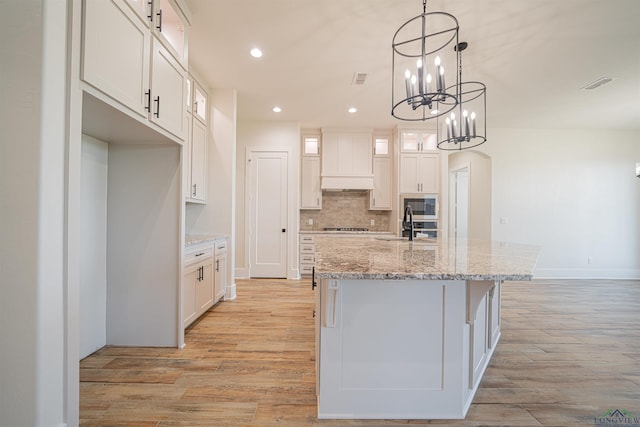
x=93, y=243
x=32, y=196
x=572, y=192
x=265, y=135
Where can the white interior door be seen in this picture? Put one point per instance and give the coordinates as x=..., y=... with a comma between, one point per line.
x=269, y=207
x=459, y=197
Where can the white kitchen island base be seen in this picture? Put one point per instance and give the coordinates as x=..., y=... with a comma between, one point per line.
x=403, y=349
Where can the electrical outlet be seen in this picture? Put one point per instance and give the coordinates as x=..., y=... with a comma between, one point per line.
x=310, y=221
x=503, y=220
x=589, y=260
x=373, y=222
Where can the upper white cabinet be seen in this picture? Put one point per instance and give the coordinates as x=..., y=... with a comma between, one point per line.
x=170, y=27
x=200, y=102
x=116, y=46
x=412, y=141
x=419, y=173
x=198, y=173
x=196, y=149
x=131, y=61
x=167, y=91
x=347, y=160
x=380, y=196
x=310, y=191
x=419, y=162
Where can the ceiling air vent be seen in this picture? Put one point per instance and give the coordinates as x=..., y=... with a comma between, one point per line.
x=600, y=82
x=359, y=78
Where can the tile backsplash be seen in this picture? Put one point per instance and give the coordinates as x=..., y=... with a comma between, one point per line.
x=344, y=209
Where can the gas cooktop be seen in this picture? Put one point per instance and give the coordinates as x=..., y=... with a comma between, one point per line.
x=345, y=229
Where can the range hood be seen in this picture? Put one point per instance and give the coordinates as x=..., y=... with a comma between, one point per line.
x=342, y=183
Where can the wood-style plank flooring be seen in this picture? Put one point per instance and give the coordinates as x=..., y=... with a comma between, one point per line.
x=569, y=352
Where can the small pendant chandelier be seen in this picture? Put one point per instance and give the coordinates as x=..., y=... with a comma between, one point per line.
x=420, y=65
x=466, y=125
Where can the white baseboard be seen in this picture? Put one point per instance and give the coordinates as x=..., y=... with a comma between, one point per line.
x=230, y=292
x=587, y=273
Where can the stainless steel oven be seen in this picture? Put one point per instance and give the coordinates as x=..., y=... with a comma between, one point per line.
x=424, y=206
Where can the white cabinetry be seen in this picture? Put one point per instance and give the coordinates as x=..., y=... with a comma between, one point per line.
x=126, y=57
x=220, y=275
x=380, y=196
x=196, y=154
x=307, y=254
x=419, y=173
x=310, y=191
x=419, y=162
x=347, y=160
x=197, y=282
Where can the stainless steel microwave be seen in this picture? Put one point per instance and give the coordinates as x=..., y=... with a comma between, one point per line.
x=424, y=206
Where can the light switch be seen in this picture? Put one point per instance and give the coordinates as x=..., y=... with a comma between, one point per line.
x=503, y=220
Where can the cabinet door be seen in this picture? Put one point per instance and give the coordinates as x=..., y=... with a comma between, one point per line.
x=204, y=288
x=409, y=173
x=311, y=194
x=220, y=280
x=189, y=280
x=142, y=9
x=170, y=27
x=168, y=83
x=200, y=102
x=380, y=197
x=115, y=56
x=186, y=159
x=429, y=173
x=198, y=162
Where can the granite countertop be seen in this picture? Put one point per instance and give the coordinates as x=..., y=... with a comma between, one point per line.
x=348, y=233
x=422, y=259
x=194, y=239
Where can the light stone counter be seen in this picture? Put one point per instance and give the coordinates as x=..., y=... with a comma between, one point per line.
x=194, y=239
x=422, y=259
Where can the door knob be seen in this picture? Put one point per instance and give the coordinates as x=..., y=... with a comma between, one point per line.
x=284, y=230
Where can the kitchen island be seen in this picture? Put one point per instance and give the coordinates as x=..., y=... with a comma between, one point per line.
x=405, y=330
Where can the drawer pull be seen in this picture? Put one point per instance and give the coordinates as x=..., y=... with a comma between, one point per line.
x=200, y=254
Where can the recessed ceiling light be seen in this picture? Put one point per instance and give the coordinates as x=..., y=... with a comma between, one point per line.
x=256, y=53
x=277, y=109
x=352, y=110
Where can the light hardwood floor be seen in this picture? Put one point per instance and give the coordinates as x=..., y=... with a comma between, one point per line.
x=569, y=352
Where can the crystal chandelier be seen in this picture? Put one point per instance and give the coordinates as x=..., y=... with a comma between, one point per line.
x=420, y=64
x=466, y=125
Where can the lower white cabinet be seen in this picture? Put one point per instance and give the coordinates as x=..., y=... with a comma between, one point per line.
x=197, y=282
x=307, y=254
x=220, y=267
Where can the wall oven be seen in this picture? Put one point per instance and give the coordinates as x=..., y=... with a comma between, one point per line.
x=424, y=206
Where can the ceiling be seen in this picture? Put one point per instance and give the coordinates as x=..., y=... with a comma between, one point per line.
x=533, y=56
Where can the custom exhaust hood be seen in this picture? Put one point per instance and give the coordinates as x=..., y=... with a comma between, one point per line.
x=347, y=183
x=347, y=160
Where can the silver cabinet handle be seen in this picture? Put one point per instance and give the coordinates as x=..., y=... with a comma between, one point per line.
x=193, y=191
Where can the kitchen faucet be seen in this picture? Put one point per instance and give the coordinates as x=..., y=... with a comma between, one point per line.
x=408, y=212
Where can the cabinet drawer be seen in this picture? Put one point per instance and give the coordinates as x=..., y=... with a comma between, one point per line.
x=306, y=269
x=307, y=239
x=221, y=247
x=307, y=248
x=197, y=254
x=307, y=258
